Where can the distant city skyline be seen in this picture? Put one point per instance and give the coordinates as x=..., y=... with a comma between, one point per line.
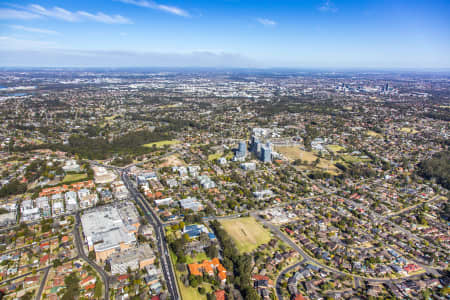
x=228, y=33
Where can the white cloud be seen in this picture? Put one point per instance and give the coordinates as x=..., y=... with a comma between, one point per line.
x=55, y=12
x=103, y=18
x=34, y=11
x=34, y=29
x=153, y=5
x=6, y=13
x=328, y=6
x=266, y=22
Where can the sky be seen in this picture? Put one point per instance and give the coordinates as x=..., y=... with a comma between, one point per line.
x=377, y=34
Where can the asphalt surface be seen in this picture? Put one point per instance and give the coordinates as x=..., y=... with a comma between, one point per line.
x=281, y=276
x=153, y=219
x=42, y=286
x=308, y=258
x=79, y=245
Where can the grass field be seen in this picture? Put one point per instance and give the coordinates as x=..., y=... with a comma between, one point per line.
x=111, y=117
x=246, y=233
x=74, y=177
x=408, y=130
x=161, y=144
x=352, y=159
x=294, y=152
x=373, y=133
x=335, y=148
x=187, y=292
x=214, y=156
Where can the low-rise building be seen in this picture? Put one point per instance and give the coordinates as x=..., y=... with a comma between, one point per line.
x=133, y=258
x=191, y=203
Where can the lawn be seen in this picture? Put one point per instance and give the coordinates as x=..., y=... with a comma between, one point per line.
x=111, y=117
x=246, y=233
x=214, y=156
x=187, y=292
x=335, y=148
x=161, y=144
x=373, y=133
x=74, y=177
x=294, y=153
x=352, y=159
x=409, y=130
x=198, y=258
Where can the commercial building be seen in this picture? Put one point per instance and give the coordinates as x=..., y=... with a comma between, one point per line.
x=133, y=258
x=191, y=203
x=206, y=182
x=266, y=153
x=8, y=219
x=109, y=230
x=71, y=201
x=44, y=206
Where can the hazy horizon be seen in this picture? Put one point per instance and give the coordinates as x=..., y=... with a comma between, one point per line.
x=226, y=34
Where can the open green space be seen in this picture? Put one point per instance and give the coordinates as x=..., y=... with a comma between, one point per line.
x=198, y=258
x=335, y=148
x=74, y=177
x=353, y=159
x=161, y=144
x=187, y=292
x=293, y=153
x=409, y=130
x=246, y=233
x=214, y=156
x=373, y=133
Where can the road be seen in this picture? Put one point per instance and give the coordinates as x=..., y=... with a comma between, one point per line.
x=42, y=286
x=154, y=220
x=275, y=230
x=392, y=214
x=281, y=276
x=79, y=245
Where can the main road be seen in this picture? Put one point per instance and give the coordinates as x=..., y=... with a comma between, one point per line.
x=153, y=219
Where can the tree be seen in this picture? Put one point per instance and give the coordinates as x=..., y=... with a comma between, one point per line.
x=98, y=289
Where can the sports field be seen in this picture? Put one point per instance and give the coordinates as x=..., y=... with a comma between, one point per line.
x=246, y=233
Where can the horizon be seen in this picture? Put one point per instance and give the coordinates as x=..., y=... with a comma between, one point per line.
x=321, y=34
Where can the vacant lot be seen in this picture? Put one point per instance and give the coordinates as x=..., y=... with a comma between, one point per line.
x=161, y=144
x=294, y=152
x=172, y=161
x=74, y=177
x=246, y=233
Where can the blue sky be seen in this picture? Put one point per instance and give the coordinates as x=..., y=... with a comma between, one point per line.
x=226, y=33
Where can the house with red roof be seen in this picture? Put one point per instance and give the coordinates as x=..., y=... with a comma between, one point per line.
x=220, y=295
